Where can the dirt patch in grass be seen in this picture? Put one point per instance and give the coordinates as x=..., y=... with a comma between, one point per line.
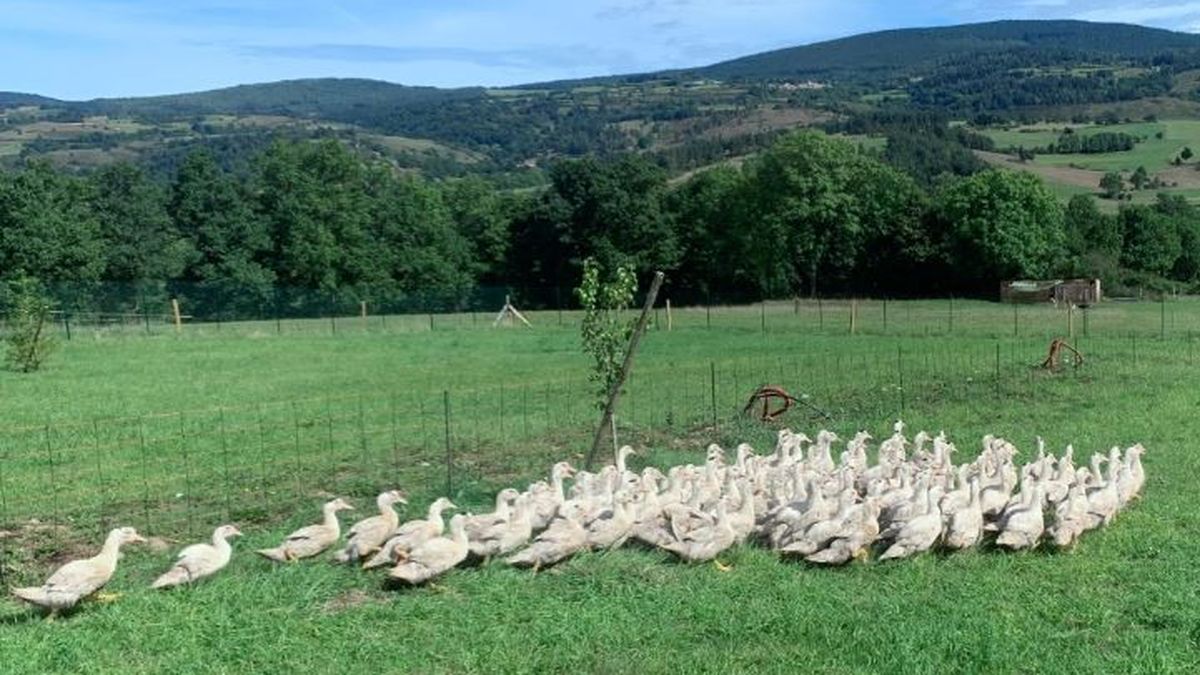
x=349, y=600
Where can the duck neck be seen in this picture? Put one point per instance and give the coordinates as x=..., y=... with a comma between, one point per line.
x=331, y=520
x=111, y=549
x=386, y=511
x=556, y=480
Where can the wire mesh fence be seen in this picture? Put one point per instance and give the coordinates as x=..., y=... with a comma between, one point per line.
x=179, y=473
x=129, y=312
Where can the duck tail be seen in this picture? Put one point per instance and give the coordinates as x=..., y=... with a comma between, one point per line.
x=176, y=576
x=276, y=554
x=34, y=594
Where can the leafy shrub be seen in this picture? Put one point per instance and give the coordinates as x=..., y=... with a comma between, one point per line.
x=29, y=342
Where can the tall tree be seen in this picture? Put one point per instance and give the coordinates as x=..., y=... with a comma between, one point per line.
x=1002, y=225
x=141, y=242
x=226, y=273
x=47, y=230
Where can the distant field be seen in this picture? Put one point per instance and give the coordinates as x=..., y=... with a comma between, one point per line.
x=1067, y=175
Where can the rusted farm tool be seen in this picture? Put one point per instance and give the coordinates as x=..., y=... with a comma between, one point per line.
x=775, y=401
x=1054, y=358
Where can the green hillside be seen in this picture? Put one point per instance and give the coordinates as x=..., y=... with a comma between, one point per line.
x=910, y=52
x=1017, y=71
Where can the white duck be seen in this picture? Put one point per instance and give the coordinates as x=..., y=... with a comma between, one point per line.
x=564, y=538
x=312, y=540
x=966, y=523
x=368, y=535
x=435, y=556
x=411, y=535
x=546, y=498
x=80, y=578
x=199, y=561
x=504, y=537
x=917, y=534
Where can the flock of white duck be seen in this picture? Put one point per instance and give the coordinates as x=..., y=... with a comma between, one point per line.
x=796, y=500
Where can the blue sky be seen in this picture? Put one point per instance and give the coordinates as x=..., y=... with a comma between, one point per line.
x=78, y=49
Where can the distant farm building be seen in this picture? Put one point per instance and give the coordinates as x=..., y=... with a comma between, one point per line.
x=1079, y=292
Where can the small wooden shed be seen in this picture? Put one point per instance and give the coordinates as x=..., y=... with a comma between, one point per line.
x=1062, y=292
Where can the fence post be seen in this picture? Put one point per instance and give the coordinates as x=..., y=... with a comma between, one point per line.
x=449, y=451
x=296, y=450
x=997, y=370
x=1015, y=333
x=145, y=476
x=187, y=471
x=712, y=388
x=224, y=460
x=53, y=474
x=67, y=325
x=708, y=312
x=431, y=321
x=1071, y=321
x=332, y=325
x=853, y=315
x=900, y=374
x=951, y=316
x=3, y=519
x=1162, y=306
x=177, y=318
x=669, y=324
x=100, y=482
x=1085, y=322
x=146, y=318
x=885, y=315
x=762, y=307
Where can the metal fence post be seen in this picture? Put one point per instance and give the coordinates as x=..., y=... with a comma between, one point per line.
x=712, y=388
x=449, y=451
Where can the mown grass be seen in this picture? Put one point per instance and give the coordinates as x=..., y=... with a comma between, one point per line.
x=1124, y=601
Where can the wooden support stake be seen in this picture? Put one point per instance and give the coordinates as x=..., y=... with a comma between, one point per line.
x=668, y=315
x=853, y=316
x=175, y=314
x=362, y=308
x=626, y=366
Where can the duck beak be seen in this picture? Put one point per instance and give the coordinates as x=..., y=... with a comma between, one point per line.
x=234, y=532
x=137, y=539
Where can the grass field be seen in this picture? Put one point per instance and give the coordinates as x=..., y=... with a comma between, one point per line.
x=258, y=423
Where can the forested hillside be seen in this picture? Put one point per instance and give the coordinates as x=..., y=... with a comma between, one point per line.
x=348, y=190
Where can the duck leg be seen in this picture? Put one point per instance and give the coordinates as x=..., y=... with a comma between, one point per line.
x=722, y=567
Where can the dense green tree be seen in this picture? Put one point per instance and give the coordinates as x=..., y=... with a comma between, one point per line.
x=141, y=241
x=1151, y=239
x=1140, y=178
x=226, y=273
x=482, y=215
x=313, y=200
x=417, y=249
x=1088, y=229
x=616, y=212
x=47, y=228
x=1002, y=225
x=1112, y=184
x=709, y=213
x=802, y=193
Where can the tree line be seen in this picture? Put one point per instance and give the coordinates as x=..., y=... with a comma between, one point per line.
x=314, y=224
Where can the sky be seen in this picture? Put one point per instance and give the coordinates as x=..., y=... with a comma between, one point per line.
x=80, y=49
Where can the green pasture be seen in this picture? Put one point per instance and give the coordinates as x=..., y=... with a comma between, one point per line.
x=259, y=422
